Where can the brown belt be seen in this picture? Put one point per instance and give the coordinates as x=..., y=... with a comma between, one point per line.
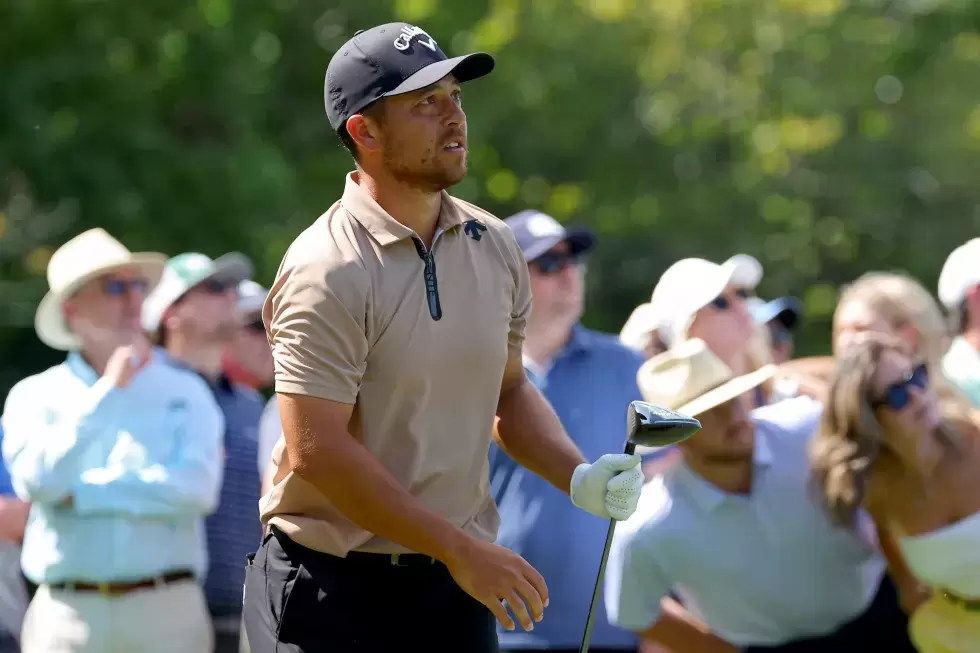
x=120, y=589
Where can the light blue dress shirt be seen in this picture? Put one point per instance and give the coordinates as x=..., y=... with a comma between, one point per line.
x=763, y=569
x=142, y=466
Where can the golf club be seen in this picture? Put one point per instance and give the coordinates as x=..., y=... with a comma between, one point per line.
x=647, y=426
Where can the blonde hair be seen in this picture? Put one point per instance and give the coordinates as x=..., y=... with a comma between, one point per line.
x=850, y=440
x=902, y=301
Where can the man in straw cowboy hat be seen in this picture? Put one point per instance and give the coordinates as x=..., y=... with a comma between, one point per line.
x=735, y=531
x=120, y=457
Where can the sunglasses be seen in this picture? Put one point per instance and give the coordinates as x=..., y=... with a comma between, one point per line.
x=723, y=303
x=121, y=287
x=215, y=286
x=554, y=262
x=897, y=395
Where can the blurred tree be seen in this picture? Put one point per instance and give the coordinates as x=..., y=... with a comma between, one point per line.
x=819, y=135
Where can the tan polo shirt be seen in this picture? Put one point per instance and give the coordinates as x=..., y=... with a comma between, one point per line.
x=358, y=316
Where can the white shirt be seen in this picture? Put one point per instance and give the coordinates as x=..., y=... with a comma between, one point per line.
x=763, y=569
x=270, y=430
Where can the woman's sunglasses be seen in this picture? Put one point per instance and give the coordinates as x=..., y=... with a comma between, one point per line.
x=897, y=395
x=723, y=303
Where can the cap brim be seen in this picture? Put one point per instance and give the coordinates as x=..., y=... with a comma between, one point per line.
x=787, y=310
x=464, y=69
x=580, y=241
x=232, y=268
x=722, y=395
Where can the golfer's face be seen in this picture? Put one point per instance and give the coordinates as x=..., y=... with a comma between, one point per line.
x=424, y=136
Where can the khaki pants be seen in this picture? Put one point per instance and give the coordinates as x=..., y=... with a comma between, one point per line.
x=171, y=619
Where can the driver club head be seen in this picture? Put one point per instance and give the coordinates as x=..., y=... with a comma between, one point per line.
x=652, y=426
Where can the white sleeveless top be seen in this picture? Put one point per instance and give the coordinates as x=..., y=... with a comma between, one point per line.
x=947, y=558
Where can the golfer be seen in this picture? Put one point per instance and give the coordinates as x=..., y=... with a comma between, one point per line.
x=397, y=322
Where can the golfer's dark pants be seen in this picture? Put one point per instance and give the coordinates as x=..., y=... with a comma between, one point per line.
x=882, y=627
x=302, y=601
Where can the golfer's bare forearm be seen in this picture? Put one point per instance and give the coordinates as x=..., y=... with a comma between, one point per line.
x=367, y=494
x=679, y=631
x=531, y=433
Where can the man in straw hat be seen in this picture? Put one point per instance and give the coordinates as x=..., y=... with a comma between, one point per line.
x=120, y=457
x=194, y=315
x=735, y=531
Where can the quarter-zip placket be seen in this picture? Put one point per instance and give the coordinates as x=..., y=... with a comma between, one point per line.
x=429, y=276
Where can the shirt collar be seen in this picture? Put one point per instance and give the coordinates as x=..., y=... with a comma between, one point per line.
x=382, y=227
x=80, y=368
x=708, y=496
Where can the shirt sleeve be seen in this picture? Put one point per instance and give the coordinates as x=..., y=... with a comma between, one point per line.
x=635, y=583
x=521, y=311
x=315, y=315
x=189, y=484
x=43, y=444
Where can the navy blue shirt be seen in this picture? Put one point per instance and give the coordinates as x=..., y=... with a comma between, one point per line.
x=590, y=384
x=234, y=529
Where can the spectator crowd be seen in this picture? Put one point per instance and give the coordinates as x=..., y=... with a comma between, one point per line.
x=828, y=503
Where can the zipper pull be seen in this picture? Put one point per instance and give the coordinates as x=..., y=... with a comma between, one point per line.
x=429, y=277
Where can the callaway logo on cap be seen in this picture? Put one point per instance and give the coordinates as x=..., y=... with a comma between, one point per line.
x=387, y=60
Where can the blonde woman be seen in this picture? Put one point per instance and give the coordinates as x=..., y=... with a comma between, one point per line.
x=890, y=304
x=889, y=444
x=899, y=306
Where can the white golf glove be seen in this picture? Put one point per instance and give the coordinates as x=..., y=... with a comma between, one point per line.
x=609, y=487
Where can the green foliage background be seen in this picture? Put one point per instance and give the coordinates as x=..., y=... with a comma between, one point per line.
x=826, y=137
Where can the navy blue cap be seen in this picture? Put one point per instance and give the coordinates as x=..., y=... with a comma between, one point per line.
x=538, y=232
x=390, y=59
x=787, y=310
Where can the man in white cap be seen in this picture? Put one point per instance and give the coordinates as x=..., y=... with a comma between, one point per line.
x=248, y=358
x=959, y=291
x=194, y=314
x=120, y=457
x=735, y=531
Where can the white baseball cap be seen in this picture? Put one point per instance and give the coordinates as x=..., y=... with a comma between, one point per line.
x=251, y=297
x=643, y=321
x=960, y=274
x=691, y=284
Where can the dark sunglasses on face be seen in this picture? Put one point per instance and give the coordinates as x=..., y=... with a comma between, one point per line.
x=723, y=303
x=215, y=286
x=897, y=395
x=553, y=263
x=120, y=287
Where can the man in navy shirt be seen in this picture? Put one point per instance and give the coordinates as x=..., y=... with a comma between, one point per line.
x=589, y=378
x=194, y=314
